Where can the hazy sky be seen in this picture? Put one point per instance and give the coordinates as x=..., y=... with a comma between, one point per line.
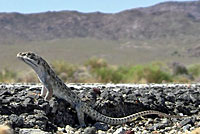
x=107, y=6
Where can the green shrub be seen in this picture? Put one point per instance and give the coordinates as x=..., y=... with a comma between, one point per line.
x=181, y=79
x=64, y=69
x=150, y=73
x=95, y=63
x=97, y=70
x=194, y=70
x=109, y=74
x=7, y=76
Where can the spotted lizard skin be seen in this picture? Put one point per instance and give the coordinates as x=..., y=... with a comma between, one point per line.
x=53, y=85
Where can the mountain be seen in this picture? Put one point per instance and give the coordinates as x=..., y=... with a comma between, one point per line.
x=165, y=20
x=164, y=32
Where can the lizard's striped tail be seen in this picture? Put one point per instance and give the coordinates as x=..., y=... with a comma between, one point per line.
x=116, y=121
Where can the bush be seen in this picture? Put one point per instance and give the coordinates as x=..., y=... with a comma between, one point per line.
x=7, y=76
x=179, y=69
x=150, y=73
x=95, y=63
x=194, y=70
x=97, y=70
x=109, y=74
x=64, y=70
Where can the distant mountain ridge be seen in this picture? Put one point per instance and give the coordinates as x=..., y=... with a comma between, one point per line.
x=164, y=20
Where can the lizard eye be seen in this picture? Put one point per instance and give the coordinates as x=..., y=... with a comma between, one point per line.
x=38, y=61
x=23, y=54
x=32, y=57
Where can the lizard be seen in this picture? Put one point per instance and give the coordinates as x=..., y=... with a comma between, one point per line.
x=53, y=85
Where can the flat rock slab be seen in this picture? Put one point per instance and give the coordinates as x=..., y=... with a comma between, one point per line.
x=21, y=105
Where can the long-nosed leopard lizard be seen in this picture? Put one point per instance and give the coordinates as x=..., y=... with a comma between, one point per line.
x=52, y=85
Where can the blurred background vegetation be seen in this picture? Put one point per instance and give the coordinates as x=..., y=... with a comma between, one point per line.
x=97, y=70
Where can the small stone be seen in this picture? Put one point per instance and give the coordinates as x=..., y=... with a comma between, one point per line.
x=186, y=127
x=78, y=132
x=101, y=132
x=187, y=121
x=32, y=131
x=145, y=132
x=129, y=132
x=69, y=129
x=27, y=102
x=172, y=132
x=46, y=107
x=120, y=130
x=158, y=126
x=90, y=130
x=16, y=120
x=101, y=126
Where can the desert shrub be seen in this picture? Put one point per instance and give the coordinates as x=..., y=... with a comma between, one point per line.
x=95, y=63
x=109, y=74
x=64, y=69
x=7, y=76
x=97, y=70
x=150, y=73
x=194, y=70
x=181, y=79
x=179, y=69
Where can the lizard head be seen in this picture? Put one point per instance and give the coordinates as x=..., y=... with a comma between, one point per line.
x=33, y=60
x=38, y=64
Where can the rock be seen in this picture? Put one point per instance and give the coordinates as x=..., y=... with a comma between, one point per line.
x=69, y=129
x=28, y=101
x=129, y=132
x=120, y=130
x=16, y=120
x=32, y=131
x=90, y=130
x=46, y=107
x=101, y=126
x=187, y=121
x=101, y=132
x=186, y=127
x=24, y=110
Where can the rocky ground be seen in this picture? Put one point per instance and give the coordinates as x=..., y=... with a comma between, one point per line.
x=27, y=112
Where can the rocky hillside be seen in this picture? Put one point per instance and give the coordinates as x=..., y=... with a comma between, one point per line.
x=170, y=19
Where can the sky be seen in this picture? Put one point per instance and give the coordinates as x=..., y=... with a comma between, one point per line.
x=106, y=6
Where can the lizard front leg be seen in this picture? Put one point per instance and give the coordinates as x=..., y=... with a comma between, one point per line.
x=49, y=93
x=43, y=91
x=80, y=115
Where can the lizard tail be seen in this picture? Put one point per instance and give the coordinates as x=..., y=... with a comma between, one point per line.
x=116, y=121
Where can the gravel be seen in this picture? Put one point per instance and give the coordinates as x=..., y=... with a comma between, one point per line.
x=27, y=112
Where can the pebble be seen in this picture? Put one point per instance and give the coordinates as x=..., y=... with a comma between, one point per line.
x=90, y=130
x=120, y=130
x=101, y=132
x=69, y=129
x=32, y=131
x=101, y=126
